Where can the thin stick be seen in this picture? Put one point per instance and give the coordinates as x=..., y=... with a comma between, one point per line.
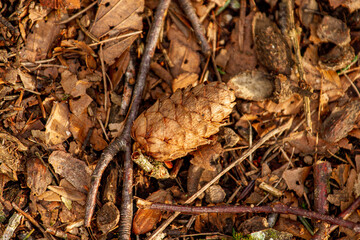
x=293, y=35
x=273, y=208
x=195, y=23
x=346, y=214
x=124, y=140
x=228, y=168
x=126, y=212
x=32, y=220
x=104, y=77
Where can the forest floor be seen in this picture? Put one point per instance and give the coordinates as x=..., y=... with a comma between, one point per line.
x=248, y=109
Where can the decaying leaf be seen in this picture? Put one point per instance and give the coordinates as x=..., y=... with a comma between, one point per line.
x=38, y=176
x=113, y=18
x=253, y=224
x=39, y=41
x=207, y=155
x=295, y=179
x=235, y=59
x=184, y=80
x=184, y=59
x=304, y=143
x=57, y=126
x=72, y=169
x=175, y=126
x=216, y=222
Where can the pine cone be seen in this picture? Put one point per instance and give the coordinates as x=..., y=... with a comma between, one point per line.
x=175, y=126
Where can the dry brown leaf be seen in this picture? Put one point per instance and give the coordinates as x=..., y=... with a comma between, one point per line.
x=184, y=80
x=38, y=176
x=295, y=179
x=174, y=34
x=175, y=126
x=72, y=85
x=337, y=58
x=72, y=169
x=79, y=106
x=40, y=39
x=49, y=212
x=184, y=59
x=206, y=156
x=306, y=16
x=113, y=18
x=291, y=106
x=71, y=194
x=76, y=213
x=80, y=126
x=57, y=126
x=306, y=144
x=117, y=69
x=340, y=174
x=292, y=226
x=253, y=224
x=146, y=219
x=215, y=222
x=229, y=136
x=97, y=141
x=49, y=196
x=241, y=60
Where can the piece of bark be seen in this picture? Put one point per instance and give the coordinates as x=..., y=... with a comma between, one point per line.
x=333, y=30
x=337, y=58
x=340, y=122
x=72, y=169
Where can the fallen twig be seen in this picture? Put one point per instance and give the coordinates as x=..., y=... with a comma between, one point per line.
x=195, y=23
x=32, y=220
x=293, y=35
x=246, y=154
x=346, y=214
x=322, y=172
x=273, y=208
x=124, y=140
x=199, y=32
x=126, y=212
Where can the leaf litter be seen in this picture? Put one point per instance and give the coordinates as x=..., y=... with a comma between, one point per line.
x=64, y=75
